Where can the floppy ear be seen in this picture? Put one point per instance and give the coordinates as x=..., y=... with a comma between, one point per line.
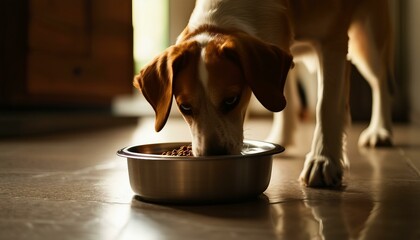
x=156, y=79
x=265, y=68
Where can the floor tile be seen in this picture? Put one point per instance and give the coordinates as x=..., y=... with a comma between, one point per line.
x=73, y=186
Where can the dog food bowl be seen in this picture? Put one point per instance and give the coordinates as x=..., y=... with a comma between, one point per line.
x=205, y=179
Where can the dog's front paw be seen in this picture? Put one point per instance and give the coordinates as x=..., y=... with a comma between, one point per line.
x=320, y=171
x=375, y=137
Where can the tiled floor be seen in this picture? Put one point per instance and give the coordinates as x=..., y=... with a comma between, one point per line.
x=73, y=186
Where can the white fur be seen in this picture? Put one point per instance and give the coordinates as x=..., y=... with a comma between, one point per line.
x=202, y=70
x=221, y=13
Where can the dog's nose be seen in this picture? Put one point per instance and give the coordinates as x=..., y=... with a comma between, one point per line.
x=210, y=148
x=215, y=150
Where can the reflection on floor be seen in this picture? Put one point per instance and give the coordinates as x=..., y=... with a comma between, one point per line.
x=73, y=186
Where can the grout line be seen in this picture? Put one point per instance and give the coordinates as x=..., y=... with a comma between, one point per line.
x=409, y=162
x=102, y=166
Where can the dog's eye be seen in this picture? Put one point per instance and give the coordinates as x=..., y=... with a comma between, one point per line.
x=229, y=103
x=186, y=109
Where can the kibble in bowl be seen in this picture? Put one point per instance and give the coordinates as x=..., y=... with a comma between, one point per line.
x=184, y=150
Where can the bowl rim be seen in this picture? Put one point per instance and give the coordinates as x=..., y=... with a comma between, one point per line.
x=274, y=149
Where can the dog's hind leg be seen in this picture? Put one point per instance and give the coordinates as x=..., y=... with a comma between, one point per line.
x=325, y=164
x=284, y=122
x=371, y=49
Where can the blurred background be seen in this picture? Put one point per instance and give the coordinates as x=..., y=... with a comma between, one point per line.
x=68, y=64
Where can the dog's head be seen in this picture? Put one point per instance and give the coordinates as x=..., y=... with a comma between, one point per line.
x=211, y=78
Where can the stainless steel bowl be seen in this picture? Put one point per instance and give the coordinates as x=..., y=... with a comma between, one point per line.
x=174, y=179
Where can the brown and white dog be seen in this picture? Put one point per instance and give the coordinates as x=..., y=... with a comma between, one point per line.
x=233, y=48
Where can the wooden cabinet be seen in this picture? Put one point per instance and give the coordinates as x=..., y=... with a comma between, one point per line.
x=65, y=52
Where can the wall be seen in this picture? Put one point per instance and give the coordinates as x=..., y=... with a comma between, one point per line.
x=413, y=55
x=179, y=14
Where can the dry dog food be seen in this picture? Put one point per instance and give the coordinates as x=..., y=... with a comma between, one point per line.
x=182, y=151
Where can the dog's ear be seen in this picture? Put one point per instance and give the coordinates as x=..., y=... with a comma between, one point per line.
x=155, y=80
x=265, y=68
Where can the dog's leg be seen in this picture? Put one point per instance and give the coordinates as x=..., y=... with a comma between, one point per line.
x=370, y=49
x=324, y=165
x=379, y=131
x=284, y=122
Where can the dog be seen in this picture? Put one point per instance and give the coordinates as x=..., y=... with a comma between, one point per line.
x=233, y=49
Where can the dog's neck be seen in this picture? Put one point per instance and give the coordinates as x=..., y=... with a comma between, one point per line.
x=266, y=20
x=222, y=13
x=209, y=30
